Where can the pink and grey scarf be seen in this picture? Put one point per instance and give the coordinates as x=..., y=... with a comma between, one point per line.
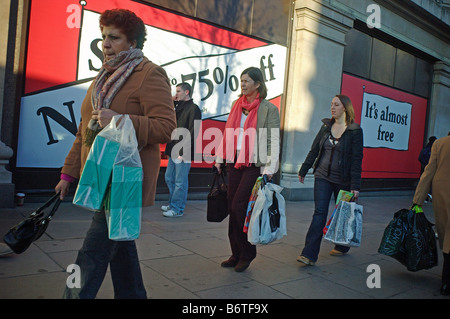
x=112, y=75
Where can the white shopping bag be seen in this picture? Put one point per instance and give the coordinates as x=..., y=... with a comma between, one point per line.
x=346, y=226
x=124, y=207
x=264, y=228
x=112, y=179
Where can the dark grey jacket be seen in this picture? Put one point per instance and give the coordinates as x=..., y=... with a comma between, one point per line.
x=351, y=153
x=187, y=112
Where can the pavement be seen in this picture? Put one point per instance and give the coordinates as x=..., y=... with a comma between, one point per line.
x=180, y=258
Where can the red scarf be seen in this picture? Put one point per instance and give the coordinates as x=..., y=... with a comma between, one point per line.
x=229, y=139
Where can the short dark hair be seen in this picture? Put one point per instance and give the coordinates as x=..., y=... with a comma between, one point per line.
x=186, y=87
x=256, y=75
x=127, y=21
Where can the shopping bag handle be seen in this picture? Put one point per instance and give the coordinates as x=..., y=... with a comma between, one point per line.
x=266, y=180
x=216, y=179
x=117, y=119
x=417, y=209
x=55, y=198
x=223, y=170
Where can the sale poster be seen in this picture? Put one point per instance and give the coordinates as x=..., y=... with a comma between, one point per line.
x=393, y=124
x=64, y=55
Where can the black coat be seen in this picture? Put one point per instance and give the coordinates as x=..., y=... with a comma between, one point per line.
x=350, y=160
x=187, y=112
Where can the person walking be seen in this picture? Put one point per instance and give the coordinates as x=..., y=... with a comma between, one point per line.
x=127, y=83
x=179, y=163
x=336, y=157
x=424, y=157
x=425, y=154
x=249, y=148
x=436, y=175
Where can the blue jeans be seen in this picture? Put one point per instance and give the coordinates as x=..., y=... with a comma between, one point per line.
x=323, y=190
x=93, y=258
x=177, y=181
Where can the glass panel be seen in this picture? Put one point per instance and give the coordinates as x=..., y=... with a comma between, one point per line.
x=405, y=71
x=383, y=62
x=357, y=53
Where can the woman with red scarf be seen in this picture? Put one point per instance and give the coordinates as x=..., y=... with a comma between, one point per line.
x=250, y=147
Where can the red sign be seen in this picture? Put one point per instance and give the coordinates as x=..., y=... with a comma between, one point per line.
x=64, y=54
x=386, y=161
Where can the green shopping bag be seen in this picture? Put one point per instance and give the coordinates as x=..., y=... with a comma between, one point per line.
x=125, y=203
x=96, y=174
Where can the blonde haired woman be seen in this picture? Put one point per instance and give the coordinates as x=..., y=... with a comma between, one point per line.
x=335, y=156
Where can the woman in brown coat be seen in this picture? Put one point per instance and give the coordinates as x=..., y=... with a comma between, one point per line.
x=127, y=83
x=437, y=176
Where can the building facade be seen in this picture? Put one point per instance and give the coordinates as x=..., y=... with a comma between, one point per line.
x=391, y=58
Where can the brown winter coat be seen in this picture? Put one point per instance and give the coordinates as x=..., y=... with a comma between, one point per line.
x=146, y=98
x=437, y=175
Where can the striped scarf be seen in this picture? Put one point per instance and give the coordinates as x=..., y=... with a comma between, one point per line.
x=112, y=75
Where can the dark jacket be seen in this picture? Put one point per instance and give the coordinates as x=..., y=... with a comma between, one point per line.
x=187, y=112
x=424, y=157
x=351, y=153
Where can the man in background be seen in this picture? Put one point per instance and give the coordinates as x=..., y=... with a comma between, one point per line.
x=179, y=163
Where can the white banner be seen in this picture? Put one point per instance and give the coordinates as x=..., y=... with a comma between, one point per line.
x=385, y=122
x=48, y=124
x=48, y=120
x=216, y=79
x=213, y=71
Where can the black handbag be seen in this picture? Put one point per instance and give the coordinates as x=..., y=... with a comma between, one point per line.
x=20, y=237
x=217, y=203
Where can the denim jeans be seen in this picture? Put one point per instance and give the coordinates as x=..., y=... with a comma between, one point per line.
x=177, y=181
x=93, y=258
x=323, y=190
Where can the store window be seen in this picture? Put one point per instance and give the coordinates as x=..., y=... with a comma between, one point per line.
x=387, y=63
x=389, y=83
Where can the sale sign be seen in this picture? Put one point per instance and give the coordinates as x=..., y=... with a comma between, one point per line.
x=393, y=124
x=386, y=122
x=209, y=58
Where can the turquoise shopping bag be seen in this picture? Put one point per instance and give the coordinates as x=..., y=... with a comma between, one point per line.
x=125, y=203
x=96, y=174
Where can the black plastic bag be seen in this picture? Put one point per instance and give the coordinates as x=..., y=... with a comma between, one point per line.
x=274, y=214
x=394, y=234
x=420, y=244
x=409, y=238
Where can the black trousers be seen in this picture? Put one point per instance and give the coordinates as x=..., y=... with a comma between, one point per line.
x=446, y=269
x=240, y=185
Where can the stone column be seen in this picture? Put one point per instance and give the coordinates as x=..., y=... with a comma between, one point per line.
x=314, y=78
x=6, y=187
x=440, y=93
